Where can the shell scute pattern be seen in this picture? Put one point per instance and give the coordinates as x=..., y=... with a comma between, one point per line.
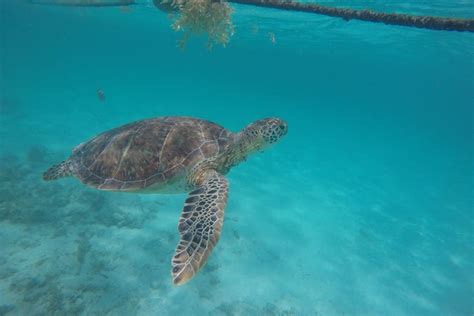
x=151, y=151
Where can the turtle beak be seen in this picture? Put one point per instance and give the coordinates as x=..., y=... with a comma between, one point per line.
x=283, y=127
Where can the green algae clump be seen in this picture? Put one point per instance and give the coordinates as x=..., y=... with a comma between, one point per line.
x=204, y=17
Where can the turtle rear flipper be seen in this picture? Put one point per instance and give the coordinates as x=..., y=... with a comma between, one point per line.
x=64, y=169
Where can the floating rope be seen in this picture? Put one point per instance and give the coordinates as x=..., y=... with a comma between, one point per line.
x=424, y=22
x=86, y=3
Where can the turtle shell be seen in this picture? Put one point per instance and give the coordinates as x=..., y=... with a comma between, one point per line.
x=148, y=152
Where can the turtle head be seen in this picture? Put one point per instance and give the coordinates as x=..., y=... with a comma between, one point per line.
x=255, y=137
x=263, y=133
x=267, y=131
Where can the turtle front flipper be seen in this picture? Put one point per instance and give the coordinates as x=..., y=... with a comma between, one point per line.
x=199, y=226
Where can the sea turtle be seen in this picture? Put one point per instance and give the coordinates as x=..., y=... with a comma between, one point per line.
x=172, y=155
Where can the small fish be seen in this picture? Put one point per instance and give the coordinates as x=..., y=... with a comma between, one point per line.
x=101, y=95
x=125, y=9
x=272, y=37
x=255, y=29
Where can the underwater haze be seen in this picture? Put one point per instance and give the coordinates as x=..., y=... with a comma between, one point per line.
x=365, y=207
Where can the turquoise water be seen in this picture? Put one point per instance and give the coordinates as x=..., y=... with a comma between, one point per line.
x=364, y=208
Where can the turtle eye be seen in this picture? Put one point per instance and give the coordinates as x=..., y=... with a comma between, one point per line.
x=281, y=129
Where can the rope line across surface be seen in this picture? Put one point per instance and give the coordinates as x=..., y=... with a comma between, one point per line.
x=424, y=22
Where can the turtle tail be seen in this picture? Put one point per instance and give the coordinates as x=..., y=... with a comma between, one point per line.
x=64, y=169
